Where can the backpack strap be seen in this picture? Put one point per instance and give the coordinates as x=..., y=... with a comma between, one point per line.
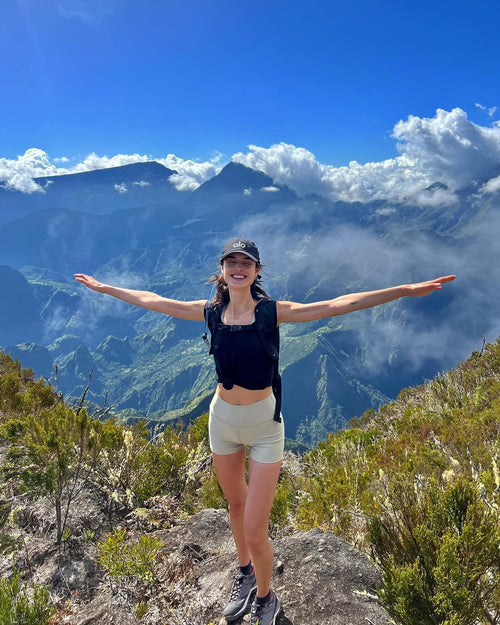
x=204, y=336
x=267, y=322
x=212, y=316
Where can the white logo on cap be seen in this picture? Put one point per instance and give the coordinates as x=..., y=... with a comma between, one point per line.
x=240, y=244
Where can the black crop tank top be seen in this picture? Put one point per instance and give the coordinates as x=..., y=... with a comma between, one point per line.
x=240, y=355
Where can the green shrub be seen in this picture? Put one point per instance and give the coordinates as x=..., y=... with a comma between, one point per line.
x=52, y=453
x=209, y=494
x=16, y=608
x=135, y=465
x=438, y=550
x=129, y=559
x=8, y=544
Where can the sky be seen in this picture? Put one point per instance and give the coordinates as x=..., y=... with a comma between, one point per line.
x=353, y=99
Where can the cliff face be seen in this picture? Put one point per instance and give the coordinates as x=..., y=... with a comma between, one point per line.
x=17, y=295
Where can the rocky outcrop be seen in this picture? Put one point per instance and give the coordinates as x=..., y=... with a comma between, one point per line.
x=319, y=578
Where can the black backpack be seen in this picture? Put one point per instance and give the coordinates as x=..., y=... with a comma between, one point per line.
x=266, y=324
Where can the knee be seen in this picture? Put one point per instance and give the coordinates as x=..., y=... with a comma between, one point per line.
x=236, y=507
x=256, y=538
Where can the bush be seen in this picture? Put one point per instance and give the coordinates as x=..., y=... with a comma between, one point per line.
x=135, y=465
x=52, y=454
x=16, y=608
x=129, y=559
x=439, y=555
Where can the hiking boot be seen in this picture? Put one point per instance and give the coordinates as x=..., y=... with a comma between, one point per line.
x=242, y=589
x=265, y=614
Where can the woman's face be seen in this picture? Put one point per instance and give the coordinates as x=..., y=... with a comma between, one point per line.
x=239, y=271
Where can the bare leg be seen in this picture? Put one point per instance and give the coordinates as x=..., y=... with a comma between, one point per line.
x=230, y=472
x=262, y=481
x=249, y=509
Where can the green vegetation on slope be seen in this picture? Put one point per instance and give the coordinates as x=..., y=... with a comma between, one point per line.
x=416, y=484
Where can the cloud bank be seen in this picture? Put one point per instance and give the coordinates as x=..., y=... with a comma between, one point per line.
x=350, y=258
x=19, y=174
x=191, y=174
x=447, y=149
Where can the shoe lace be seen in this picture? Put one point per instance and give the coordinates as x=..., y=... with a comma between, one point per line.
x=255, y=613
x=235, y=590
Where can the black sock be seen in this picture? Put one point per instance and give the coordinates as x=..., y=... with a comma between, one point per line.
x=247, y=570
x=264, y=600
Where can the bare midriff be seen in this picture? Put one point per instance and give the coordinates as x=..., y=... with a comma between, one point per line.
x=239, y=396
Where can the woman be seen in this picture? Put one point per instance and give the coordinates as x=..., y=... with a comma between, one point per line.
x=243, y=409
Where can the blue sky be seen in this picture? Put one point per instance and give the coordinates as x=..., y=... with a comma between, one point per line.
x=204, y=79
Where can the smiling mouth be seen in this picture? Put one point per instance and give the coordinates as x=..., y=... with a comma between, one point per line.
x=237, y=276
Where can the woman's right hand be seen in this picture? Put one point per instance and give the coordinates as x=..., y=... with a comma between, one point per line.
x=90, y=282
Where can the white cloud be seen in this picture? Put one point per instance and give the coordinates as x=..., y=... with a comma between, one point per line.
x=370, y=262
x=270, y=189
x=18, y=174
x=121, y=188
x=298, y=168
x=385, y=211
x=491, y=110
x=492, y=186
x=22, y=182
x=190, y=174
x=142, y=183
x=447, y=148
x=93, y=161
x=450, y=147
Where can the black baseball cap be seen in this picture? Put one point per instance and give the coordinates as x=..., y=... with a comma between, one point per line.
x=243, y=246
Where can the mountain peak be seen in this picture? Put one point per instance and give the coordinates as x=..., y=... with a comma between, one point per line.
x=149, y=171
x=237, y=177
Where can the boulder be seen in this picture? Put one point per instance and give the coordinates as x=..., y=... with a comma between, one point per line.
x=318, y=576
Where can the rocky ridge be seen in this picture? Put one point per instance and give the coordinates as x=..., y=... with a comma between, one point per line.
x=319, y=578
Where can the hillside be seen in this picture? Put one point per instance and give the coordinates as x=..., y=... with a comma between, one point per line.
x=141, y=534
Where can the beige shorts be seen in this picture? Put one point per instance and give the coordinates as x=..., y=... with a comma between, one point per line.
x=231, y=428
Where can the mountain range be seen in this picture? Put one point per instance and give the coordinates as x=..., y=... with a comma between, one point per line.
x=130, y=226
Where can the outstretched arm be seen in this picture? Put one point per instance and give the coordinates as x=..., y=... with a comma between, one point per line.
x=295, y=312
x=183, y=310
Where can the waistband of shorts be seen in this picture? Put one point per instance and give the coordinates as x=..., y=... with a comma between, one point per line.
x=260, y=410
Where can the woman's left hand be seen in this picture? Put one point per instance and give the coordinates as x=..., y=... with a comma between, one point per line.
x=424, y=288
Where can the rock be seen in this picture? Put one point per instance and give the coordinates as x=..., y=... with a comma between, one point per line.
x=325, y=581
x=105, y=610
x=76, y=575
x=319, y=577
